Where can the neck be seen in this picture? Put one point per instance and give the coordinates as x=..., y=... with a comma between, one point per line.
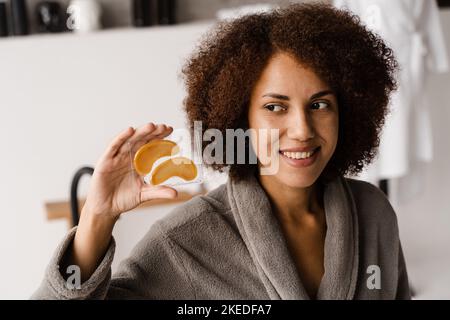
x=291, y=204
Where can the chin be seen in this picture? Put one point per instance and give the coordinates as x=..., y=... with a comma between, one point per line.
x=299, y=180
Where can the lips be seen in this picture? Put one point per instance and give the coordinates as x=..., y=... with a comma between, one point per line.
x=300, y=159
x=299, y=153
x=300, y=149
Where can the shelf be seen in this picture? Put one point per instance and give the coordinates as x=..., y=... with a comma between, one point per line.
x=61, y=209
x=110, y=32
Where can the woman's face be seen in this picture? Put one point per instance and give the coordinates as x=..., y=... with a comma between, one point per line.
x=293, y=99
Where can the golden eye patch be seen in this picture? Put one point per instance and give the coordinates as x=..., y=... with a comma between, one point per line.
x=147, y=155
x=181, y=167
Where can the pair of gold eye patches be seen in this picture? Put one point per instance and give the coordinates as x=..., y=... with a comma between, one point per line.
x=148, y=154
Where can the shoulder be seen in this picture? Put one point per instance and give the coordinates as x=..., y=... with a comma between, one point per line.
x=372, y=205
x=364, y=188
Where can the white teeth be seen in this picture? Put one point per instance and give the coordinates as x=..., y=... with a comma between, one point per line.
x=298, y=155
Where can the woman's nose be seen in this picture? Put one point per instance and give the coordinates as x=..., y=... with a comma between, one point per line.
x=300, y=126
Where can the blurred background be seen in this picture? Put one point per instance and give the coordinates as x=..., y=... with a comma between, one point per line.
x=75, y=73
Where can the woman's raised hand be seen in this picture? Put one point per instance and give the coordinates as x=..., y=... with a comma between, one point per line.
x=115, y=187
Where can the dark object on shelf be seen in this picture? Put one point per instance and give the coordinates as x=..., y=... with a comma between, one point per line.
x=383, y=185
x=166, y=12
x=3, y=20
x=144, y=13
x=49, y=17
x=444, y=3
x=74, y=193
x=19, y=17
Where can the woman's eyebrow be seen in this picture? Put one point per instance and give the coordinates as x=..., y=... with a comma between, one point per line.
x=284, y=97
x=276, y=96
x=321, y=94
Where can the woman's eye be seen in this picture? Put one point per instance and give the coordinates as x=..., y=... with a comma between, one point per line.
x=319, y=105
x=274, y=107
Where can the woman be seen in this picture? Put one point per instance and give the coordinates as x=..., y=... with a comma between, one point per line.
x=304, y=232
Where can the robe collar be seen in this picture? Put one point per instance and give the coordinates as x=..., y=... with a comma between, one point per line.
x=264, y=239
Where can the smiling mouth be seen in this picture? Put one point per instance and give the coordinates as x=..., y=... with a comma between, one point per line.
x=299, y=155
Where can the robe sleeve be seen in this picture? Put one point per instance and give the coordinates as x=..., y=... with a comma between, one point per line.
x=430, y=26
x=152, y=271
x=403, y=291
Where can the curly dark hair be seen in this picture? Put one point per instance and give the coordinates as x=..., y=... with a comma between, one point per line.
x=355, y=62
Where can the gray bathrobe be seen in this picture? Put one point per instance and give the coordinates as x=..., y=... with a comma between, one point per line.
x=229, y=245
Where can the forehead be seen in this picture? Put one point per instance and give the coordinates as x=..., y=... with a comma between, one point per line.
x=286, y=74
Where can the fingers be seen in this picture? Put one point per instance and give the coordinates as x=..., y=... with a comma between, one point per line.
x=119, y=141
x=144, y=131
x=165, y=131
x=160, y=132
x=135, y=138
x=157, y=192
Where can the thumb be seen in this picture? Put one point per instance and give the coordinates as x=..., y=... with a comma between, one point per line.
x=157, y=192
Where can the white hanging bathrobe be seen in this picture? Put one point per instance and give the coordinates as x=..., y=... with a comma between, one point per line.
x=412, y=29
